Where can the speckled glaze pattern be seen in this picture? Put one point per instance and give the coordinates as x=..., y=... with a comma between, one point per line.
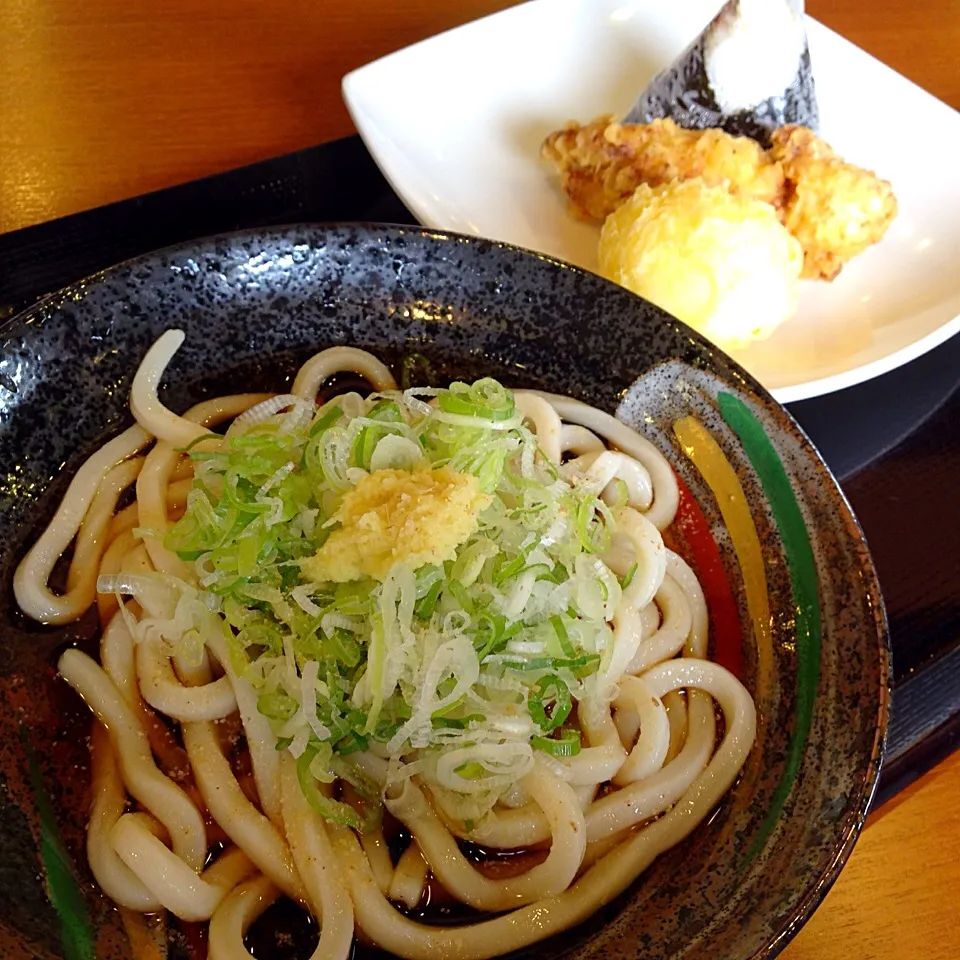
x=254, y=305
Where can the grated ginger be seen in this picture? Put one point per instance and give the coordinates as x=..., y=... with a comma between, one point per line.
x=398, y=516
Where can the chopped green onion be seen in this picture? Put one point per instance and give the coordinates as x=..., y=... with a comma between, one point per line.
x=567, y=746
x=276, y=706
x=560, y=628
x=329, y=809
x=485, y=400
x=327, y=417
x=425, y=607
x=344, y=648
x=492, y=634
x=457, y=723
x=471, y=771
x=509, y=570
x=268, y=499
x=590, y=525
x=621, y=494
x=352, y=743
x=578, y=666
x=562, y=703
x=461, y=595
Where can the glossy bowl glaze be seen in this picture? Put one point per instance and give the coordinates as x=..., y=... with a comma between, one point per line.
x=252, y=306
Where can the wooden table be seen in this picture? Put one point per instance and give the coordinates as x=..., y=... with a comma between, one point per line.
x=107, y=99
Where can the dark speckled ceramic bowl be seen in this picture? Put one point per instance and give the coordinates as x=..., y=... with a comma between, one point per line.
x=255, y=304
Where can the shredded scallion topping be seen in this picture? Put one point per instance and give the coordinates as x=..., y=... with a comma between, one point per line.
x=463, y=666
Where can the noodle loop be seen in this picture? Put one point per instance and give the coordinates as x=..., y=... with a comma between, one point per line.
x=526, y=670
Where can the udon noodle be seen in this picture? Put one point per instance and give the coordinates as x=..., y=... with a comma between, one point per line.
x=292, y=701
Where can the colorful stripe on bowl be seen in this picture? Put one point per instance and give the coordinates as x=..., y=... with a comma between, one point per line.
x=60, y=873
x=705, y=554
x=705, y=454
x=803, y=581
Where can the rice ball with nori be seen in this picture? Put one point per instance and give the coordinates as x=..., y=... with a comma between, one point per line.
x=748, y=72
x=723, y=264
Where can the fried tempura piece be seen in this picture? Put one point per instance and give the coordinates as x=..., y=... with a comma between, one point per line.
x=602, y=163
x=724, y=265
x=835, y=210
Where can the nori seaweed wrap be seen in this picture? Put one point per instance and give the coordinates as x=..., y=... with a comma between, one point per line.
x=748, y=72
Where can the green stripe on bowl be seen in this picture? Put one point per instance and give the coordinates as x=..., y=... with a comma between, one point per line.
x=63, y=888
x=803, y=580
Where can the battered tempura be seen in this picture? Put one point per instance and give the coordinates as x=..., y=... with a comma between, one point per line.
x=601, y=164
x=835, y=210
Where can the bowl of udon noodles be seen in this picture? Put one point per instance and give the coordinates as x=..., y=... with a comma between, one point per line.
x=377, y=592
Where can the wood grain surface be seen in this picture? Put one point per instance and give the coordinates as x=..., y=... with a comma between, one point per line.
x=105, y=99
x=896, y=899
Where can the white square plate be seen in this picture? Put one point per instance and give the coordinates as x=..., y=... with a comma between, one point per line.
x=456, y=122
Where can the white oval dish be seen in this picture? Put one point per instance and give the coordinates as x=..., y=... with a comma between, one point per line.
x=455, y=124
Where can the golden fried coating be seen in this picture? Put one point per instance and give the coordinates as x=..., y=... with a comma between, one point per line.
x=835, y=210
x=725, y=265
x=602, y=163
